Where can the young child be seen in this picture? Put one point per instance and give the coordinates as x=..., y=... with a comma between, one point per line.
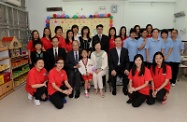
x=86, y=67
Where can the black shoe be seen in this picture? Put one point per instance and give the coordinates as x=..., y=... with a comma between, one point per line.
x=77, y=95
x=125, y=92
x=71, y=95
x=114, y=92
x=129, y=101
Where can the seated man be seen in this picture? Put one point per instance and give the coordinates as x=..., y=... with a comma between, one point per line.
x=119, y=65
x=74, y=76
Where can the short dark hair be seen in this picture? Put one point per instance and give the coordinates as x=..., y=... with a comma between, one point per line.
x=100, y=25
x=164, y=31
x=132, y=31
x=37, y=42
x=155, y=29
x=74, y=26
x=174, y=30
x=58, y=59
x=38, y=59
x=54, y=38
x=118, y=37
x=57, y=28
x=143, y=30
x=97, y=42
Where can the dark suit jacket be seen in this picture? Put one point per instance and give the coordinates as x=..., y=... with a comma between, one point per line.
x=104, y=42
x=113, y=59
x=70, y=60
x=50, y=58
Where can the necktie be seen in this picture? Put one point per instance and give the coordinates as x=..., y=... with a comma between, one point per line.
x=76, y=57
x=100, y=37
x=56, y=55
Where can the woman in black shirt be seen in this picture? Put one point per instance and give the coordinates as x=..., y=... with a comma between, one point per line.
x=85, y=40
x=38, y=53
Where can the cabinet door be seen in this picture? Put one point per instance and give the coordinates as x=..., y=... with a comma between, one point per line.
x=7, y=86
x=1, y=90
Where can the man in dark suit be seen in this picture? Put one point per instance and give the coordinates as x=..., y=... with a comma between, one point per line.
x=53, y=53
x=101, y=37
x=119, y=65
x=74, y=76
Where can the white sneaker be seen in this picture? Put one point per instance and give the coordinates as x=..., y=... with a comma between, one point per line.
x=173, y=85
x=37, y=102
x=29, y=96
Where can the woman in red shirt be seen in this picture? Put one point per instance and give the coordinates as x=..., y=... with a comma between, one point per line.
x=36, y=82
x=112, y=35
x=161, y=73
x=123, y=33
x=139, y=78
x=149, y=29
x=69, y=40
x=31, y=44
x=58, y=86
x=46, y=39
x=59, y=34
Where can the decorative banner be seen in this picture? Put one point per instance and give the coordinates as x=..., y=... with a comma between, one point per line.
x=56, y=23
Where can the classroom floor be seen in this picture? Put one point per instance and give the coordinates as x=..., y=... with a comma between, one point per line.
x=16, y=108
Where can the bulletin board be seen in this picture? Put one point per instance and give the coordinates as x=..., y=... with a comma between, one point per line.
x=67, y=23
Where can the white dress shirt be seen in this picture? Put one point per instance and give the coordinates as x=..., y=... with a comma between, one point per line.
x=119, y=54
x=56, y=50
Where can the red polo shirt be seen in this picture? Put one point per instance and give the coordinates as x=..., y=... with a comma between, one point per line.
x=61, y=41
x=140, y=80
x=149, y=36
x=111, y=43
x=68, y=47
x=159, y=77
x=56, y=77
x=46, y=43
x=35, y=77
x=30, y=46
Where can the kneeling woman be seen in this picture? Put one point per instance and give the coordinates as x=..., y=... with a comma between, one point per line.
x=36, y=82
x=139, y=78
x=161, y=75
x=58, y=86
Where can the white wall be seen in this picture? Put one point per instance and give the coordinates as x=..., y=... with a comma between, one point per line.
x=129, y=14
x=181, y=23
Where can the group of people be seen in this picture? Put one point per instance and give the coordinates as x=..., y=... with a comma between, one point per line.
x=143, y=61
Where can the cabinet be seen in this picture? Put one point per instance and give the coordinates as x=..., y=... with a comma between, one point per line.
x=13, y=65
x=5, y=73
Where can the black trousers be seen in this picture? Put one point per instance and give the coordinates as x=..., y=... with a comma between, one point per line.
x=57, y=98
x=120, y=73
x=39, y=92
x=159, y=97
x=74, y=79
x=175, y=70
x=137, y=98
